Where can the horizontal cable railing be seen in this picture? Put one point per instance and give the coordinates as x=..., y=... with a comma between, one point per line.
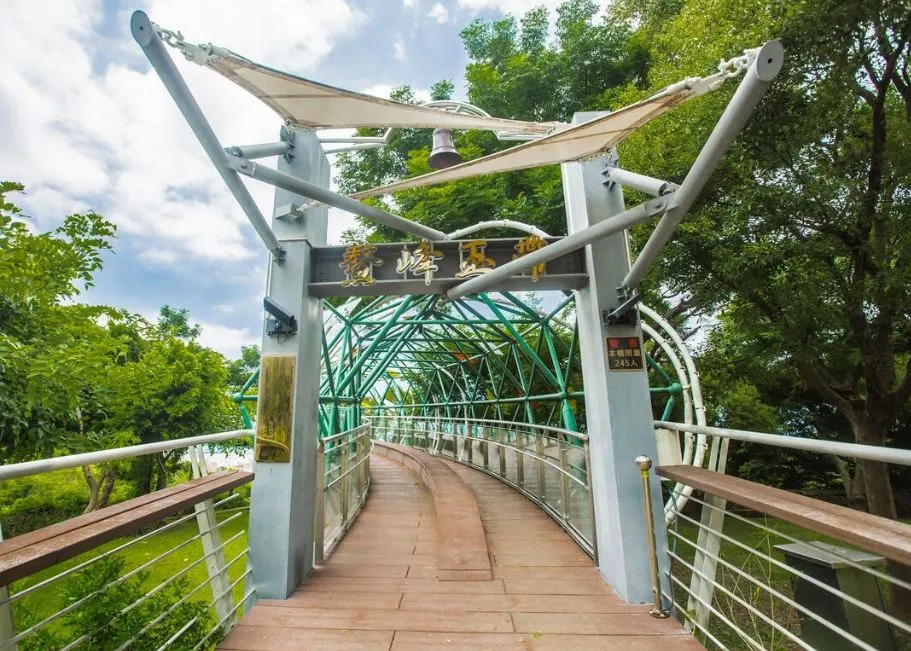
x=548, y=465
x=757, y=567
x=137, y=574
x=342, y=493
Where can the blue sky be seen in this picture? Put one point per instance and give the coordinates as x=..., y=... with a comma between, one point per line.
x=85, y=124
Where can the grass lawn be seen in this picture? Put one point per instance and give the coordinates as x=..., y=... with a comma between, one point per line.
x=47, y=600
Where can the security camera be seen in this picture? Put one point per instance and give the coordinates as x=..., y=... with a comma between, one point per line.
x=282, y=322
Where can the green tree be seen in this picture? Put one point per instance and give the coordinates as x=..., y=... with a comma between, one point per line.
x=53, y=351
x=803, y=236
x=176, y=388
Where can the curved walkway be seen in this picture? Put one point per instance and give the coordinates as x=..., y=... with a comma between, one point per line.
x=379, y=590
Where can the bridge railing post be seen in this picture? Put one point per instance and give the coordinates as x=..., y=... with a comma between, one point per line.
x=344, y=449
x=501, y=451
x=565, y=495
x=206, y=520
x=319, y=524
x=7, y=625
x=520, y=458
x=485, y=452
x=542, y=477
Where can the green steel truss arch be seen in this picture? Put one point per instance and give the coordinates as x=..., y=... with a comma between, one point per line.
x=498, y=356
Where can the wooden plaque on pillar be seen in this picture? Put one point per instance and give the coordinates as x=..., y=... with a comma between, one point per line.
x=275, y=409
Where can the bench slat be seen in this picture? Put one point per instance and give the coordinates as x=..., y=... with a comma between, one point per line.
x=47, y=549
x=873, y=533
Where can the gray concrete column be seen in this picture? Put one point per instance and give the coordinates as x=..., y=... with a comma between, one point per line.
x=617, y=403
x=282, y=508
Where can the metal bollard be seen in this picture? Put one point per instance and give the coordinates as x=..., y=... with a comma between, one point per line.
x=645, y=464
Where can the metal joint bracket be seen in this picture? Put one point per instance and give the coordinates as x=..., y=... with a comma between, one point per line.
x=281, y=321
x=289, y=154
x=289, y=211
x=623, y=314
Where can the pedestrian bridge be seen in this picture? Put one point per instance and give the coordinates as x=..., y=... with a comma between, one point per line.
x=466, y=534
x=528, y=585
x=441, y=462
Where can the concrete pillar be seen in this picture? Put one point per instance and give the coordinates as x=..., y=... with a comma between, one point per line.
x=282, y=508
x=617, y=403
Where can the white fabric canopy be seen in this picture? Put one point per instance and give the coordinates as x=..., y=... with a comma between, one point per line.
x=570, y=144
x=304, y=103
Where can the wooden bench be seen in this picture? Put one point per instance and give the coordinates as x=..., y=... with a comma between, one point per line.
x=32, y=552
x=461, y=543
x=872, y=533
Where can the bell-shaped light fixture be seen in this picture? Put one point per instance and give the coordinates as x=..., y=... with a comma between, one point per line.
x=444, y=153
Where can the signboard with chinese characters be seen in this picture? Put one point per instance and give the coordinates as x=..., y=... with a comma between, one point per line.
x=424, y=267
x=624, y=354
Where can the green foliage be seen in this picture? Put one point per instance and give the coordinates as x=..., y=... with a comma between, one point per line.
x=103, y=616
x=802, y=238
x=78, y=377
x=33, y=502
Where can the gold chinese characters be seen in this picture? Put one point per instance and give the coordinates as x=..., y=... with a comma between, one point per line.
x=358, y=262
x=420, y=261
x=472, y=259
x=528, y=245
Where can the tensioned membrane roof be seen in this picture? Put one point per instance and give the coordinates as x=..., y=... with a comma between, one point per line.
x=302, y=102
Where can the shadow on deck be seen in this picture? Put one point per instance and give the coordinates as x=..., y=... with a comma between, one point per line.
x=379, y=589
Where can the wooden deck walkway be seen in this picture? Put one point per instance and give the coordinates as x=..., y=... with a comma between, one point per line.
x=379, y=590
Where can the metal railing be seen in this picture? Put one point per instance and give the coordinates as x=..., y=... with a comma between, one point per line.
x=172, y=586
x=766, y=569
x=548, y=465
x=345, y=483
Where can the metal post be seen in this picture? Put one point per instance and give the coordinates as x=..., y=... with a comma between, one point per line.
x=154, y=49
x=542, y=477
x=319, y=520
x=762, y=71
x=565, y=495
x=501, y=452
x=520, y=458
x=326, y=196
x=7, y=626
x=615, y=224
x=345, y=448
x=216, y=566
x=708, y=545
x=644, y=464
x=470, y=443
x=284, y=493
x=485, y=452
x=617, y=402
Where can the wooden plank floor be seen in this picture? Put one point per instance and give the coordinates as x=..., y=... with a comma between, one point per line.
x=378, y=589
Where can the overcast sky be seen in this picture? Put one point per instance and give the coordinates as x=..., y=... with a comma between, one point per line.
x=85, y=124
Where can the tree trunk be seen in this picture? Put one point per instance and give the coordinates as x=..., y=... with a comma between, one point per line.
x=881, y=501
x=853, y=485
x=107, y=482
x=162, y=472
x=93, y=489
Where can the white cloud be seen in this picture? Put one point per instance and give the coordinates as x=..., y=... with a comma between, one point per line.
x=408, y=3
x=439, y=13
x=226, y=340
x=161, y=257
x=518, y=7
x=83, y=123
x=398, y=49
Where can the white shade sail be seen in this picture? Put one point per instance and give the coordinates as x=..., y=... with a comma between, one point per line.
x=569, y=144
x=304, y=103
